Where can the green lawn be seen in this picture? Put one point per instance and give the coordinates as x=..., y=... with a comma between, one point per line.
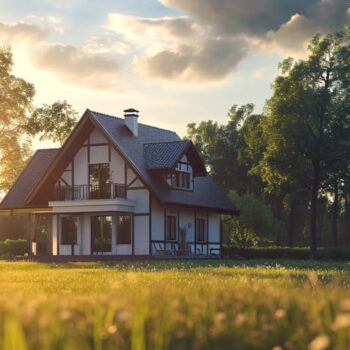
x=175, y=305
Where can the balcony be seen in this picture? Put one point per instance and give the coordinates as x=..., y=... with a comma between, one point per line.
x=87, y=192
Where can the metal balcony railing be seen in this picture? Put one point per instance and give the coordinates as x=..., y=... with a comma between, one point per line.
x=84, y=192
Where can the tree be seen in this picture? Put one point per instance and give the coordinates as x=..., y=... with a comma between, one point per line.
x=308, y=120
x=54, y=122
x=220, y=147
x=16, y=97
x=256, y=223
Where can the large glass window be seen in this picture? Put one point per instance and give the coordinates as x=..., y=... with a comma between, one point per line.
x=101, y=234
x=99, y=181
x=171, y=228
x=69, y=230
x=200, y=230
x=124, y=229
x=181, y=180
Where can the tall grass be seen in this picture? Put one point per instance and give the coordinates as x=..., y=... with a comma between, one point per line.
x=168, y=305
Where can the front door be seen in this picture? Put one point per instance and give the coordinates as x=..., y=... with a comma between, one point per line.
x=101, y=234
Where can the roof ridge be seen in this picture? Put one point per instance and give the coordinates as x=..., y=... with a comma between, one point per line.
x=143, y=124
x=162, y=142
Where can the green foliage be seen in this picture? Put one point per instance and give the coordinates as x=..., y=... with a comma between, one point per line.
x=11, y=247
x=300, y=253
x=221, y=145
x=15, y=105
x=54, y=122
x=307, y=124
x=255, y=224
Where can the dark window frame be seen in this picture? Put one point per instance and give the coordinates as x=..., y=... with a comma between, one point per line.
x=171, y=223
x=103, y=186
x=65, y=236
x=121, y=237
x=181, y=179
x=201, y=234
x=103, y=238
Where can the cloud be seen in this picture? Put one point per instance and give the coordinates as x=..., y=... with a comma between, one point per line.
x=21, y=32
x=287, y=24
x=178, y=48
x=211, y=61
x=93, y=64
x=76, y=65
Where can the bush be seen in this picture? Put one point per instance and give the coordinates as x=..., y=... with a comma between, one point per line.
x=13, y=247
x=302, y=253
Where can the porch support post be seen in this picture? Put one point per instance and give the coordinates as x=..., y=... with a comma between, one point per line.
x=32, y=239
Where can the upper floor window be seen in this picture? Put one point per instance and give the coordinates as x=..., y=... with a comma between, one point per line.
x=99, y=181
x=181, y=180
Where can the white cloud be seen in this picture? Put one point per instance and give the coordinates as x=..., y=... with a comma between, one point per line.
x=21, y=32
x=93, y=65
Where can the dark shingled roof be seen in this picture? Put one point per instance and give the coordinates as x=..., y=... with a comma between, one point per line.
x=34, y=170
x=163, y=155
x=206, y=193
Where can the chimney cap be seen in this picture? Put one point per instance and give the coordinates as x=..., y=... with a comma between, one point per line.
x=131, y=110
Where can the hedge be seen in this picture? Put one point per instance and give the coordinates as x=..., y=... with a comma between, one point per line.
x=302, y=253
x=12, y=248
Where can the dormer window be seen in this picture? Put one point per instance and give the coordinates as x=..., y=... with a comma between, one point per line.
x=181, y=180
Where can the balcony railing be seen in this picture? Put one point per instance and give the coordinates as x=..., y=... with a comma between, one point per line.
x=83, y=192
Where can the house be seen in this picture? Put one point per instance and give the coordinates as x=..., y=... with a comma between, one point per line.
x=122, y=188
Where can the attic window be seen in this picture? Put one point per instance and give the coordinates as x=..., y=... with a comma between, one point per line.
x=180, y=180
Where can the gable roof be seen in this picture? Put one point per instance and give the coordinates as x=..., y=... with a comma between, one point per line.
x=206, y=193
x=29, y=177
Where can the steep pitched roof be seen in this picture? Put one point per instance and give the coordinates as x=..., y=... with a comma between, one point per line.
x=27, y=180
x=206, y=193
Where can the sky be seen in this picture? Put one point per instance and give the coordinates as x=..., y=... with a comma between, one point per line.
x=176, y=61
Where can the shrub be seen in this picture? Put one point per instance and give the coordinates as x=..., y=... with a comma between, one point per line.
x=302, y=253
x=13, y=247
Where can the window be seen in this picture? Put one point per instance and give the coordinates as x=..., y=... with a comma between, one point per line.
x=101, y=234
x=171, y=228
x=99, y=183
x=69, y=230
x=181, y=180
x=124, y=229
x=200, y=230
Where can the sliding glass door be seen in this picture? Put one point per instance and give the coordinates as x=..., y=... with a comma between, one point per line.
x=101, y=234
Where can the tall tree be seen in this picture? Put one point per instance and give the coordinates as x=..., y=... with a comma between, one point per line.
x=52, y=122
x=15, y=105
x=308, y=120
x=220, y=146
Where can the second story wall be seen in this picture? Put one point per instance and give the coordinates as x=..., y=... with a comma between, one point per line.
x=96, y=150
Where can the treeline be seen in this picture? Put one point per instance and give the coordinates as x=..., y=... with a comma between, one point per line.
x=288, y=169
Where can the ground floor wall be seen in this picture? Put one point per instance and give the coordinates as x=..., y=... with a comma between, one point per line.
x=197, y=231
x=149, y=233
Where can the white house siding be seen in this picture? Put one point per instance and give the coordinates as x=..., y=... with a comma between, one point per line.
x=139, y=194
x=185, y=219
x=98, y=154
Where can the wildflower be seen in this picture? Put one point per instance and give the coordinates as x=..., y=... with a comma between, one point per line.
x=341, y=321
x=321, y=342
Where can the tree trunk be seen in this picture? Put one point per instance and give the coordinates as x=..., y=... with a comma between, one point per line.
x=291, y=224
x=347, y=214
x=313, y=211
x=335, y=211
